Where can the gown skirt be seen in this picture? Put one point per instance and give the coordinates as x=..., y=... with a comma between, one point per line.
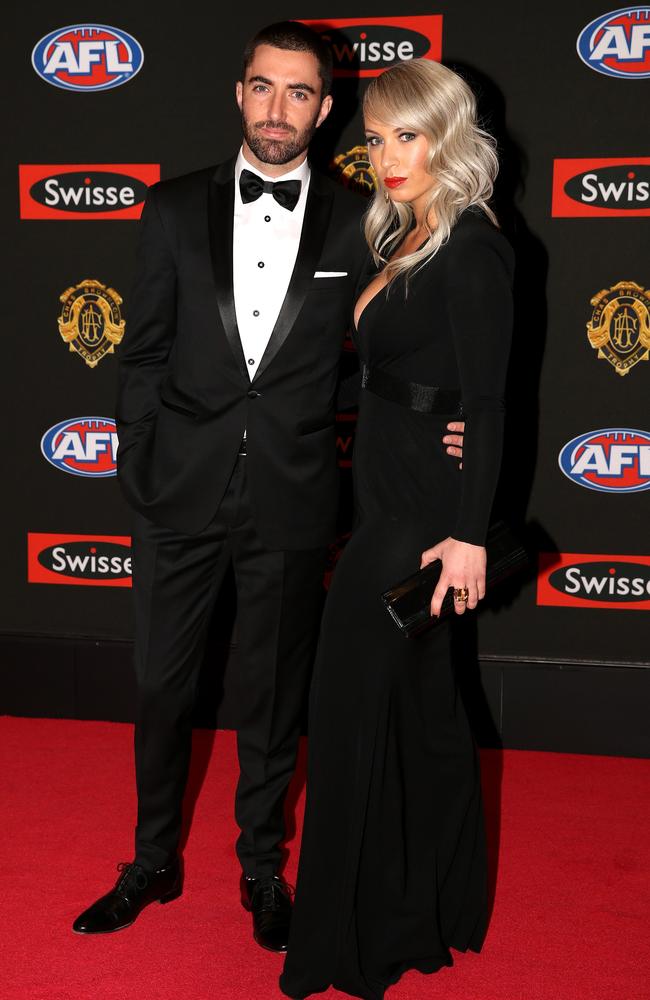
x=393, y=866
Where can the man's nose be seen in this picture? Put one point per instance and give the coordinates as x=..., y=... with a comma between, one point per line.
x=277, y=106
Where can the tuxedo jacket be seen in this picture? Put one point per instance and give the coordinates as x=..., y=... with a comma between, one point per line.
x=185, y=397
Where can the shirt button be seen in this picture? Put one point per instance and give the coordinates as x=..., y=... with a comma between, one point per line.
x=256, y=312
x=260, y=263
x=251, y=361
x=267, y=218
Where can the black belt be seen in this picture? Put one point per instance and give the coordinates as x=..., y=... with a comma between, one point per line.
x=423, y=398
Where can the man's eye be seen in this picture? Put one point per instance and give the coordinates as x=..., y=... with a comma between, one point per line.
x=300, y=94
x=258, y=88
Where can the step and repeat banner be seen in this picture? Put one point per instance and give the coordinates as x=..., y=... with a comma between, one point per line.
x=104, y=100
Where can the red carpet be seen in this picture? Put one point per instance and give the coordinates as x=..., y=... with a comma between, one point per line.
x=571, y=916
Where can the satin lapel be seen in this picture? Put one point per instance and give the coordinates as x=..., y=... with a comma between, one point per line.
x=314, y=230
x=220, y=220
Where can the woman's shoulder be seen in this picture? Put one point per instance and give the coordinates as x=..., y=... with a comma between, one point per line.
x=475, y=238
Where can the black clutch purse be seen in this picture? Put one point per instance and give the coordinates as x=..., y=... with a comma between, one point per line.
x=409, y=602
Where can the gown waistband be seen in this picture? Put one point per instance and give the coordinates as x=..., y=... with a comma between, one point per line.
x=422, y=398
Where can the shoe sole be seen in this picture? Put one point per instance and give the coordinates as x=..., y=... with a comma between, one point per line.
x=276, y=951
x=113, y=930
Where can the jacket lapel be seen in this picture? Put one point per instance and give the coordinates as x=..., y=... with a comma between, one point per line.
x=220, y=221
x=314, y=230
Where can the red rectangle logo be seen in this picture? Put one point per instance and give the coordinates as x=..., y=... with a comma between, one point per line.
x=84, y=190
x=79, y=560
x=579, y=580
x=601, y=188
x=366, y=46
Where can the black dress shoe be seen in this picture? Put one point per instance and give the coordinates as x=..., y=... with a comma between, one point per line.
x=134, y=889
x=268, y=898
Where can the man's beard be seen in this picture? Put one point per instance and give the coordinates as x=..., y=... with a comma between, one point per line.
x=273, y=150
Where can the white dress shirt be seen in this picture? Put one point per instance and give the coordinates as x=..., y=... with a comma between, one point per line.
x=264, y=250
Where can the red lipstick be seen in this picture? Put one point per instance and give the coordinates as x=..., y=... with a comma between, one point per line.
x=394, y=182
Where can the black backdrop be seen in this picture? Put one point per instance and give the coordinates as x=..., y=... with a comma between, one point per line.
x=568, y=674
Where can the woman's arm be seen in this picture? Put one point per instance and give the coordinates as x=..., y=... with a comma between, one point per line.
x=479, y=310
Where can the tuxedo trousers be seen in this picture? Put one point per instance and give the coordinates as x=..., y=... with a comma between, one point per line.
x=176, y=583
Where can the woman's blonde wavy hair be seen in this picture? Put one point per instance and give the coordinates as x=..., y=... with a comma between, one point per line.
x=426, y=97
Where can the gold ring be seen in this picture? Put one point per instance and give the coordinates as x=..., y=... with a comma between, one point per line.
x=461, y=594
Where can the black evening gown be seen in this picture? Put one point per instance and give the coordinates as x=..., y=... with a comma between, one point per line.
x=392, y=869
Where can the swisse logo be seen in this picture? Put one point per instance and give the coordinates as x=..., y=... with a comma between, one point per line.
x=81, y=560
x=612, y=460
x=87, y=57
x=601, y=187
x=367, y=46
x=618, y=43
x=588, y=581
x=85, y=191
x=82, y=446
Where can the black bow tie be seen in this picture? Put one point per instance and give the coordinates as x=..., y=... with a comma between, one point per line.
x=252, y=187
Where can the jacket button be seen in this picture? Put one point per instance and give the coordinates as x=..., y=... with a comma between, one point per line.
x=252, y=394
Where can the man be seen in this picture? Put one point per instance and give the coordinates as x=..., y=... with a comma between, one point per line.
x=226, y=417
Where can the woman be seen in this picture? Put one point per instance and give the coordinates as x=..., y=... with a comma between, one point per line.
x=393, y=864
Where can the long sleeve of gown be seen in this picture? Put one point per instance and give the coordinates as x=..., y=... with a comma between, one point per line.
x=479, y=304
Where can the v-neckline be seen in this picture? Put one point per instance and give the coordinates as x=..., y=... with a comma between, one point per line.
x=357, y=323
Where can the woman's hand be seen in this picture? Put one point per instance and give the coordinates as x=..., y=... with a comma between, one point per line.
x=454, y=440
x=463, y=565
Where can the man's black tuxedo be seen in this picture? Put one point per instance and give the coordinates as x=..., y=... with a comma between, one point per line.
x=185, y=397
x=185, y=400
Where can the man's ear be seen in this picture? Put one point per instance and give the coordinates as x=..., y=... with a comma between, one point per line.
x=325, y=108
x=239, y=91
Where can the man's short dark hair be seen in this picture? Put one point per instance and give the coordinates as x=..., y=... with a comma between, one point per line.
x=296, y=37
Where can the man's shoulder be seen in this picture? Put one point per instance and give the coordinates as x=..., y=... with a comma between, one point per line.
x=179, y=191
x=176, y=189
x=345, y=199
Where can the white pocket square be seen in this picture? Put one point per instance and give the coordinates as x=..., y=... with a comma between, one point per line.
x=331, y=274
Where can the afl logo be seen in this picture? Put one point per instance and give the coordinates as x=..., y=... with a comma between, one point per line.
x=618, y=43
x=82, y=446
x=613, y=460
x=87, y=57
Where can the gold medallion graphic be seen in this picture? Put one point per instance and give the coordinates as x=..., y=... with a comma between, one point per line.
x=619, y=328
x=353, y=170
x=91, y=323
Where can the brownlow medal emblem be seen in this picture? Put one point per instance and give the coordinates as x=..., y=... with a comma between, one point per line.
x=619, y=328
x=353, y=170
x=91, y=323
